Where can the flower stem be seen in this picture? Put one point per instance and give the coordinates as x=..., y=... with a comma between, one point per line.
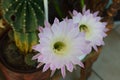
x=57, y=7
x=46, y=9
x=82, y=3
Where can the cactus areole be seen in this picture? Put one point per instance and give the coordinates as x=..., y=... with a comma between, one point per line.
x=24, y=16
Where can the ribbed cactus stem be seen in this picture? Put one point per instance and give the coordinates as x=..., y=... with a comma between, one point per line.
x=24, y=16
x=25, y=41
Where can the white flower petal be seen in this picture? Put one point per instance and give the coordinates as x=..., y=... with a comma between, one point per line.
x=96, y=30
x=40, y=28
x=82, y=56
x=63, y=71
x=47, y=24
x=67, y=35
x=75, y=12
x=81, y=64
x=96, y=13
x=36, y=56
x=39, y=65
x=69, y=67
x=46, y=67
x=52, y=73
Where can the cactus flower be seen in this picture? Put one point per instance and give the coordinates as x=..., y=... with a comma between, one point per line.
x=61, y=46
x=90, y=24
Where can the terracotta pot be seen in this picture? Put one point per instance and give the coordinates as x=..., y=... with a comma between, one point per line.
x=18, y=75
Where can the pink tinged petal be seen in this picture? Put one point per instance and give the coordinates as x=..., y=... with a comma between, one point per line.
x=76, y=19
x=40, y=28
x=82, y=34
x=39, y=65
x=87, y=12
x=106, y=30
x=70, y=13
x=52, y=67
x=98, y=18
x=69, y=67
x=40, y=58
x=34, y=47
x=77, y=62
x=88, y=47
x=104, y=34
x=84, y=9
x=56, y=21
x=52, y=73
x=63, y=71
x=37, y=47
x=102, y=43
x=82, y=57
x=46, y=67
x=95, y=14
x=47, y=24
x=47, y=35
x=95, y=48
x=75, y=12
x=74, y=33
x=84, y=51
x=66, y=20
x=76, y=25
x=88, y=42
x=104, y=23
x=36, y=56
x=40, y=35
x=81, y=64
x=99, y=42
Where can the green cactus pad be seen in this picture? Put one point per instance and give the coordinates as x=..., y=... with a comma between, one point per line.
x=25, y=41
x=24, y=15
x=29, y=61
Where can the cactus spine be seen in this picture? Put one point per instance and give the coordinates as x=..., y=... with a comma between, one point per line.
x=24, y=16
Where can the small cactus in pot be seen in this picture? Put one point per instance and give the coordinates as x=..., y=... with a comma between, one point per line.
x=24, y=16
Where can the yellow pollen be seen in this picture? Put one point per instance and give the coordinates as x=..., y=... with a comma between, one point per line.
x=59, y=48
x=83, y=28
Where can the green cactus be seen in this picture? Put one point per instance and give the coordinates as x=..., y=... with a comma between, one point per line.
x=28, y=60
x=24, y=16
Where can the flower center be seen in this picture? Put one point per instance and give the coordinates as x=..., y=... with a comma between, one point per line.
x=59, y=47
x=83, y=28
